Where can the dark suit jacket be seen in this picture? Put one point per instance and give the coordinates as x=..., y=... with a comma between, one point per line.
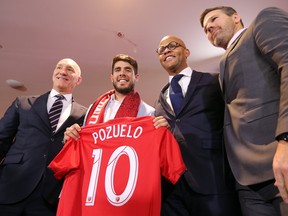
x=253, y=74
x=198, y=129
x=28, y=145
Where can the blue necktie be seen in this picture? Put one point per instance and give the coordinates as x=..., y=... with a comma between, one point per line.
x=55, y=112
x=175, y=94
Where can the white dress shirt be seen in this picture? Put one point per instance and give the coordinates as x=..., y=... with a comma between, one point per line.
x=67, y=106
x=183, y=82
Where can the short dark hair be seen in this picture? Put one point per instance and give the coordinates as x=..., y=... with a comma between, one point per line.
x=229, y=11
x=126, y=58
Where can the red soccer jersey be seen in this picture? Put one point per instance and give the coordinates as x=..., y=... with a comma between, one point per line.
x=115, y=168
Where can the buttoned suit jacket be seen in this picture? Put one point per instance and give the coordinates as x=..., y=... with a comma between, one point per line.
x=27, y=146
x=198, y=128
x=254, y=80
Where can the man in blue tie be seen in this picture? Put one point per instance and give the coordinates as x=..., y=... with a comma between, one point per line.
x=28, y=144
x=196, y=121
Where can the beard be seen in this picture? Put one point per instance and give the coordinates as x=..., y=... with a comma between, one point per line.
x=124, y=90
x=223, y=37
x=221, y=42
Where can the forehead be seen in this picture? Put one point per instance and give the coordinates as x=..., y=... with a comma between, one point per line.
x=68, y=63
x=122, y=64
x=167, y=40
x=212, y=14
x=65, y=62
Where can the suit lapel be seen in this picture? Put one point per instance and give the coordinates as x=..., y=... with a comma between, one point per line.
x=75, y=114
x=39, y=105
x=195, y=79
x=163, y=101
x=223, y=62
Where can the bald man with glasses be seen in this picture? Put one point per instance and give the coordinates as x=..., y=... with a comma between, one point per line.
x=196, y=120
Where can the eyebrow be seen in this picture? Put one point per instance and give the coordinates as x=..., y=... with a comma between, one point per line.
x=67, y=66
x=127, y=67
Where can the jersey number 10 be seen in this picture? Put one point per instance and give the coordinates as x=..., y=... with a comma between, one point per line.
x=113, y=198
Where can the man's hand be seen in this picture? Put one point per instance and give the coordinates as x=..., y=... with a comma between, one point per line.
x=72, y=132
x=280, y=168
x=160, y=121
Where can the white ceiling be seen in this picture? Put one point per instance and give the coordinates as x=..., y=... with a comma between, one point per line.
x=35, y=34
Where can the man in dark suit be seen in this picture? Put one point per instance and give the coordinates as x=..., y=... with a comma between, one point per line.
x=27, y=145
x=198, y=129
x=254, y=80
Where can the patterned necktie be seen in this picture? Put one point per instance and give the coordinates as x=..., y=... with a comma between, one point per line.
x=55, y=112
x=175, y=94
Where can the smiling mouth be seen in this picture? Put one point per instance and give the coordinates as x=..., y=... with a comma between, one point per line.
x=168, y=58
x=62, y=78
x=122, y=81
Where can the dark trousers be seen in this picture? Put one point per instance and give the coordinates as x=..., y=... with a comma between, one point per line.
x=183, y=201
x=261, y=199
x=33, y=205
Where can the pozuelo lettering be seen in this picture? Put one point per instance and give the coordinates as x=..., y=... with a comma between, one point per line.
x=116, y=131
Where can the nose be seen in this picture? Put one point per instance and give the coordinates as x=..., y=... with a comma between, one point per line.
x=63, y=72
x=166, y=50
x=122, y=72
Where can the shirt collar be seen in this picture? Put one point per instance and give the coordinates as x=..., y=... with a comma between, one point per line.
x=234, y=37
x=186, y=72
x=53, y=93
x=112, y=97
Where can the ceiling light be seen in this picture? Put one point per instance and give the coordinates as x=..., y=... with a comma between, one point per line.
x=16, y=84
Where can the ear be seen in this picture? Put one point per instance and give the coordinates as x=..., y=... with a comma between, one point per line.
x=79, y=80
x=187, y=53
x=137, y=76
x=236, y=18
x=111, y=77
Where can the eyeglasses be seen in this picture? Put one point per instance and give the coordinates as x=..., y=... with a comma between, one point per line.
x=171, y=46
